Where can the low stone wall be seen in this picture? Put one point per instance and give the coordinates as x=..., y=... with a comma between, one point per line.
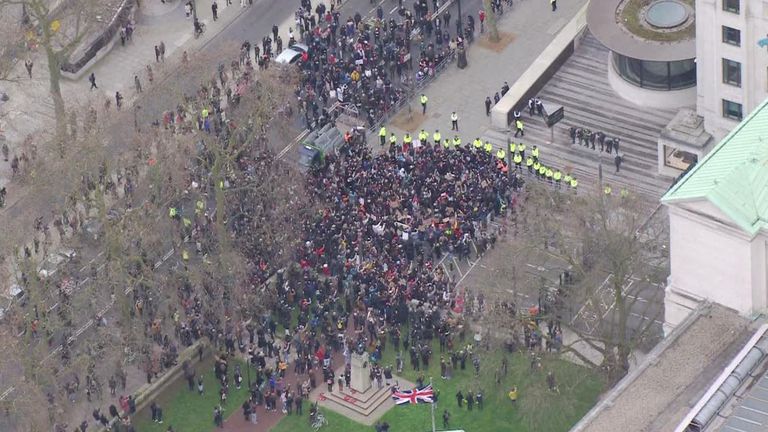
x=147, y=392
x=540, y=71
x=101, y=45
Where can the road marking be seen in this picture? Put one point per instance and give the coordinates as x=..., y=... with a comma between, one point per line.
x=634, y=314
x=288, y=147
x=370, y=12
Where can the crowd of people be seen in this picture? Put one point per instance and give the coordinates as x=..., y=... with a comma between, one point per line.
x=366, y=63
x=366, y=265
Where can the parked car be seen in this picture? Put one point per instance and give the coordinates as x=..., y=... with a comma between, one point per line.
x=291, y=54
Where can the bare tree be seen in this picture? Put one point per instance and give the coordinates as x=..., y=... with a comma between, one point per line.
x=611, y=259
x=59, y=28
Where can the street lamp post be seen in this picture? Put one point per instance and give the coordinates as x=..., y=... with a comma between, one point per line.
x=459, y=5
x=194, y=14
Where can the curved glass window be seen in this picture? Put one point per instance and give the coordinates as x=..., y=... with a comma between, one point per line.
x=656, y=75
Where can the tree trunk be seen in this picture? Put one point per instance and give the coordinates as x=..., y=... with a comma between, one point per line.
x=59, y=108
x=490, y=22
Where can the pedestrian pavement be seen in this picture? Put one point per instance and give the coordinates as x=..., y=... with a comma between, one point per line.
x=29, y=111
x=581, y=85
x=464, y=90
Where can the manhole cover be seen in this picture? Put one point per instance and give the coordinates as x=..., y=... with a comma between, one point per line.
x=666, y=14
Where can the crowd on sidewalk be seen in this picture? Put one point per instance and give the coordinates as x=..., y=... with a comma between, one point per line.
x=368, y=64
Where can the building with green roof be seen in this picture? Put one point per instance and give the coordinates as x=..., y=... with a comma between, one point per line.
x=718, y=215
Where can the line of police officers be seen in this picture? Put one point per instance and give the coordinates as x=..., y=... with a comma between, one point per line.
x=517, y=156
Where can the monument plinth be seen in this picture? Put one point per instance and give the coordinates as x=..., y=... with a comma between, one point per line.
x=361, y=373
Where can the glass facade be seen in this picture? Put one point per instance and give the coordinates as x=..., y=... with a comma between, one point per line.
x=656, y=75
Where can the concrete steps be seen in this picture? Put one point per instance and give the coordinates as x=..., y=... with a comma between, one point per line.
x=362, y=404
x=581, y=87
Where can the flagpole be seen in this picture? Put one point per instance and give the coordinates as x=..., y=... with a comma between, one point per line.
x=433, y=405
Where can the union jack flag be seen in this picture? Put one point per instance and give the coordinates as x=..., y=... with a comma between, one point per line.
x=415, y=396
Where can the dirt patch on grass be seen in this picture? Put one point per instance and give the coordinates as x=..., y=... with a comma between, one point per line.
x=505, y=39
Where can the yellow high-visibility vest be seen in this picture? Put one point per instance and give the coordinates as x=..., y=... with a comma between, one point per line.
x=488, y=147
x=436, y=136
x=456, y=141
x=501, y=154
x=383, y=132
x=477, y=143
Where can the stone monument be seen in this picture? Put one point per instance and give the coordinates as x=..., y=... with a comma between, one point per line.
x=361, y=373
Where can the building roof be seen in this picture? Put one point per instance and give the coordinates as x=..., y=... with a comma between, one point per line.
x=751, y=412
x=658, y=393
x=734, y=175
x=601, y=20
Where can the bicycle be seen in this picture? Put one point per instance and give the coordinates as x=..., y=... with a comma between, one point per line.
x=319, y=421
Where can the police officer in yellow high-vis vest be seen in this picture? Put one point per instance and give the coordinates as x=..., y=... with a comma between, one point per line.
x=393, y=139
x=535, y=153
x=529, y=163
x=574, y=184
x=501, y=154
x=521, y=149
x=423, y=99
x=447, y=143
x=477, y=143
x=558, y=177
x=423, y=136
x=456, y=142
x=488, y=147
x=518, y=159
x=407, y=139
x=436, y=137
x=383, y=135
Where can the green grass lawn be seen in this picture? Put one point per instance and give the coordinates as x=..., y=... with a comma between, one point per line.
x=537, y=409
x=187, y=410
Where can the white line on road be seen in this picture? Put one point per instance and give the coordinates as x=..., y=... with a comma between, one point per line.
x=287, y=148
